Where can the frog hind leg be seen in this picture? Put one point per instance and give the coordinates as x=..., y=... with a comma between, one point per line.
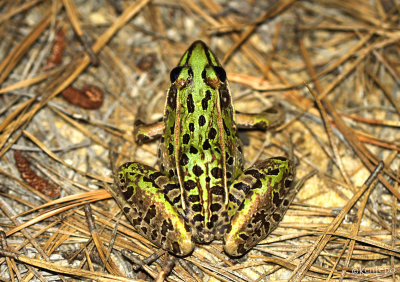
x=147, y=198
x=259, y=199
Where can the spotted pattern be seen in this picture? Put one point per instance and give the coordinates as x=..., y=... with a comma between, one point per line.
x=212, y=133
x=170, y=148
x=171, y=98
x=225, y=97
x=202, y=120
x=204, y=101
x=270, y=204
x=227, y=130
x=190, y=103
x=216, y=172
x=189, y=185
x=145, y=213
x=184, y=160
x=206, y=145
x=197, y=170
x=202, y=169
x=191, y=127
x=186, y=138
x=193, y=150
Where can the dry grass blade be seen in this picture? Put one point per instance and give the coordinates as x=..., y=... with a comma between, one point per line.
x=393, y=123
x=385, y=91
x=71, y=202
x=98, y=276
x=272, y=12
x=312, y=254
x=82, y=63
x=27, y=82
x=18, y=10
x=73, y=16
x=55, y=157
x=8, y=64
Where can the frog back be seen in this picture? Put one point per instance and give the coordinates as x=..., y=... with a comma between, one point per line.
x=200, y=145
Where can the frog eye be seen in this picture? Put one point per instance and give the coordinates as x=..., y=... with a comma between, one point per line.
x=175, y=74
x=220, y=72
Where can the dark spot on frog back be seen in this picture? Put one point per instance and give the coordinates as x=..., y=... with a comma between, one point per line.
x=217, y=172
x=206, y=145
x=198, y=217
x=191, y=127
x=215, y=207
x=126, y=209
x=197, y=170
x=212, y=133
x=204, y=101
x=228, y=132
x=174, y=74
x=194, y=198
x=257, y=185
x=189, y=185
x=190, y=103
x=193, y=150
x=170, y=149
x=202, y=120
x=225, y=97
x=197, y=207
x=280, y=158
x=184, y=160
x=171, y=99
x=217, y=190
x=186, y=138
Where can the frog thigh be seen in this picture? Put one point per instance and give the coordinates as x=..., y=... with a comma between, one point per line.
x=144, y=195
x=262, y=195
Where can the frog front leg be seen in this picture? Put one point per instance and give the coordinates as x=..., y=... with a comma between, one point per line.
x=269, y=118
x=258, y=199
x=147, y=198
x=144, y=133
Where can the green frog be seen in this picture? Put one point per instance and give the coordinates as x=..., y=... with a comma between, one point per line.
x=202, y=191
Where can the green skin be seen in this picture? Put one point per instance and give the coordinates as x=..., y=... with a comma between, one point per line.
x=202, y=193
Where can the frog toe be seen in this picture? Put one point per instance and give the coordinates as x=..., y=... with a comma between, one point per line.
x=183, y=248
x=233, y=247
